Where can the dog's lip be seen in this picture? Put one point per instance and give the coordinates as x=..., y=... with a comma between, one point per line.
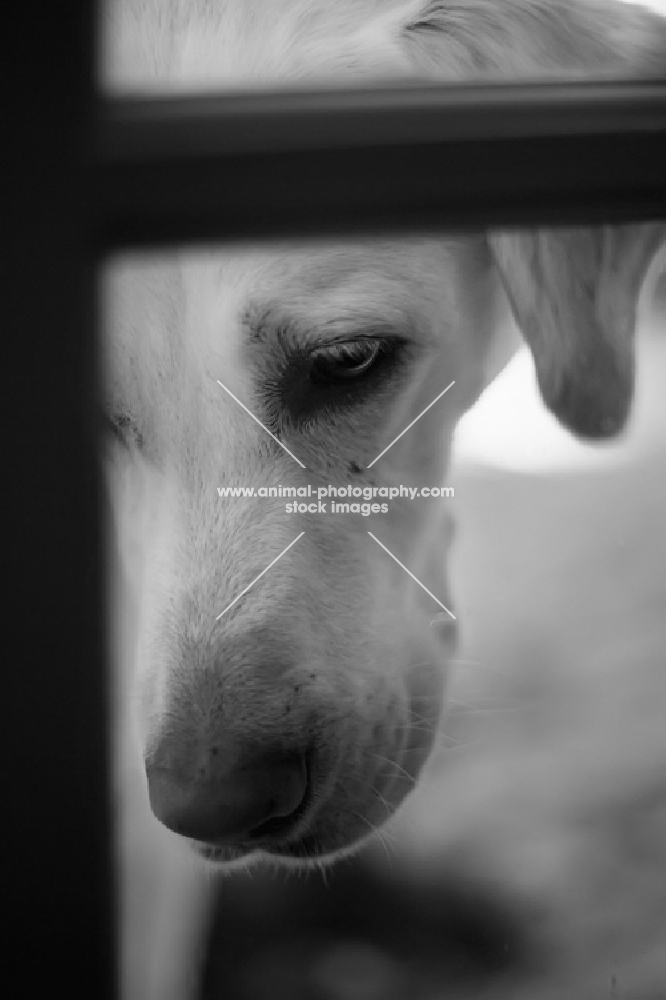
x=274, y=834
x=394, y=782
x=297, y=840
x=217, y=854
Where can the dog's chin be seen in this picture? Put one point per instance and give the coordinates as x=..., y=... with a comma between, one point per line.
x=313, y=848
x=304, y=854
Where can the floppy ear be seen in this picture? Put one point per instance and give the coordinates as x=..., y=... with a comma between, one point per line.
x=574, y=295
x=573, y=292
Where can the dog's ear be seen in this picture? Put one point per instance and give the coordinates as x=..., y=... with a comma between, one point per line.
x=574, y=295
x=573, y=292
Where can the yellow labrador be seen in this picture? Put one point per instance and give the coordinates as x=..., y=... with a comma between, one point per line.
x=292, y=726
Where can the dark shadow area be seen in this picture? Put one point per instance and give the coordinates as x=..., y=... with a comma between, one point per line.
x=365, y=934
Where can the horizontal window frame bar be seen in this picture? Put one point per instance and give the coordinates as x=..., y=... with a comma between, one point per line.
x=150, y=128
x=272, y=165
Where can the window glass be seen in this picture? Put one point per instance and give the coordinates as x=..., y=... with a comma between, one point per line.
x=387, y=558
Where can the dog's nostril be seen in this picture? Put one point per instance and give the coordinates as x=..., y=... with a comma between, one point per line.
x=233, y=806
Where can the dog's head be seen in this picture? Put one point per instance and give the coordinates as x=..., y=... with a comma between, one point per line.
x=288, y=693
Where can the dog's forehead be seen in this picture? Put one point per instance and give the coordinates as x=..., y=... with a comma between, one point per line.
x=166, y=45
x=323, y=286
x=325, y=268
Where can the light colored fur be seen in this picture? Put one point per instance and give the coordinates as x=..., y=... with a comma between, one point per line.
x=335, y=641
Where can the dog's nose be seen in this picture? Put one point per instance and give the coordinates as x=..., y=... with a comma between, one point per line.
x=236, y=805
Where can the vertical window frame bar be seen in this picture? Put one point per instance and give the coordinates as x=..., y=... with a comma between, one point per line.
x=71, y=197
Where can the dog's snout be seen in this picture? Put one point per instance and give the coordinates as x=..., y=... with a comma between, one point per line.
x=236, y=804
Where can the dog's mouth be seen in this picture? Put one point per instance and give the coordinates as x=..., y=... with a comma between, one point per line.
x=332, y=820
x=275, y=837
x=281, y=838
x=314, y=834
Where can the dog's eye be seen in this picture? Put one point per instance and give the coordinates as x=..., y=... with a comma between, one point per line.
x=331, y=378
x=344, y=362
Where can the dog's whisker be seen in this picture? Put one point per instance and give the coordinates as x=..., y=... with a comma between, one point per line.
x=323, y=871
x=378, y=833
x=397, y=768
x=417, y=720
x=467, y=708
x=426, y=730
x=416, y=717
x=382, y=800
x=476, y=667
x=442, y=736
x=451, y=746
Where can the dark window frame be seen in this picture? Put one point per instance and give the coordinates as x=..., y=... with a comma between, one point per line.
x=87, y=177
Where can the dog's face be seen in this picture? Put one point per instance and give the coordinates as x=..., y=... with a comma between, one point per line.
x=295, y=723
x=329, y=659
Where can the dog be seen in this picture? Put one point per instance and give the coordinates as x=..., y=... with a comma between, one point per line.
x=282, y=715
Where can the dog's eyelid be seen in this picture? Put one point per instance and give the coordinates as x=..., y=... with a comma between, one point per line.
x=298, y=335
x=359, y=340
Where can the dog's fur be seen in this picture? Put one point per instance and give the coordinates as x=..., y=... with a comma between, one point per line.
x=331, y=652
